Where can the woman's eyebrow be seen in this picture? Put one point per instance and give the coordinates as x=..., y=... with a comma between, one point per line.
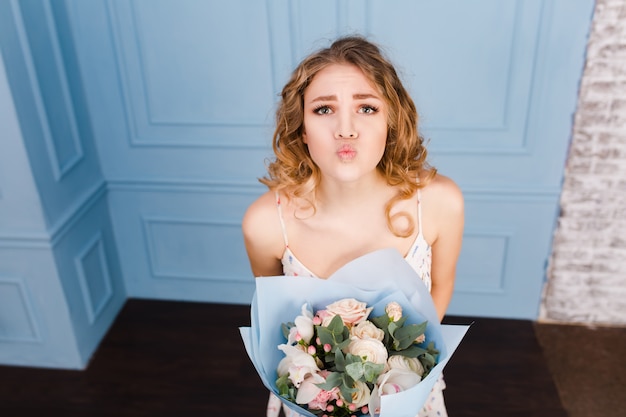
x=357, y=96
x=363, y=96
x=324, y=98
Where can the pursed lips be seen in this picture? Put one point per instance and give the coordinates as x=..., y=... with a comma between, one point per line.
x=346, y=152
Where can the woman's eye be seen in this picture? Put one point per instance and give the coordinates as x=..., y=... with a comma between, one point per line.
x=323, y=110
x=368, y=109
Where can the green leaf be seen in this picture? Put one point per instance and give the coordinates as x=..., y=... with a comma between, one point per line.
x=421, y=327
x=392, y=329
x=372, y=370
x=343, y=345
x=411, y=352
x=350, y=358
x=336, y=325
x=333, y=379
x=324, y=334
x=381, y=321
x=405, y=336
x=431, y=349
x=283, y=384
x=340, y=361
x=347, y=386
x=402, y=320
x=355, y=370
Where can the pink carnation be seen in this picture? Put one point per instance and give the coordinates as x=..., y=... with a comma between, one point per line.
x=320, y=402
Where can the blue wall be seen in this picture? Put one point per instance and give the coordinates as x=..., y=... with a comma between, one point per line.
x=60, y=279
x=133, y=132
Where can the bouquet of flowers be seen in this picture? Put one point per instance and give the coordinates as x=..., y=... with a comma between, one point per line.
x=316, y=365
x=341, y=359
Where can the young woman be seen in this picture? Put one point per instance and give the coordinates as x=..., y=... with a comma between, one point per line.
x=350, y=177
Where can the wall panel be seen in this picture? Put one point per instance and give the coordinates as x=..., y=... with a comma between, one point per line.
x=192, y=251
x=183, y=120
x=54, y=198
x=17, y=319
x=35, y=329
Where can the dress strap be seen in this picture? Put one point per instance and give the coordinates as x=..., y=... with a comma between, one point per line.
x=419, y=212
x=280, y=217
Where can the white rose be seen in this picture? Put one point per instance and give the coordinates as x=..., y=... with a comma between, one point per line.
x=361, y=396
x=402, y=362
x=369, y=349
x=394, y=311
x=367, y=329
x=351, y=311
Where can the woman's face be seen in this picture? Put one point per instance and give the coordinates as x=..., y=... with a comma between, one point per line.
x=345, y=123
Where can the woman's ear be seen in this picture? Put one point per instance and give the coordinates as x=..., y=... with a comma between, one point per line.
x=304, y=137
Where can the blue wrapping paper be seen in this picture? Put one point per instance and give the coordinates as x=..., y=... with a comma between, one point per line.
x=376, y=279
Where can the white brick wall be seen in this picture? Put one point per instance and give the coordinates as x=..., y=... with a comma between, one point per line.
x=587, y=270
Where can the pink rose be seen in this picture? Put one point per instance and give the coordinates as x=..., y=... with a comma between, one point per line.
x=350, y=310
x=394, y=311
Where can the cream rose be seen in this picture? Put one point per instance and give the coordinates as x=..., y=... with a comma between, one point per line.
x=361, y=396
x=350, y=310
x=402, y=362
x=369, y=349
x=394, y=311
x=367, y=329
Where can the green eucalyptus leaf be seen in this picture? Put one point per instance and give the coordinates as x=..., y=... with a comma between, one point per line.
x=350, y=358
x=336, y=325
x=325, y=335
x=333, y=379
x=355, y=370
x=431, y=349
x=422, y=326
x=283, y=384
x=340, y=361
x=412, y=351
x=381, y=321
x=402, y=320
x=392, y=328
x=343, y=345
x=347, y=386
x=405, y=336
x=372, y=370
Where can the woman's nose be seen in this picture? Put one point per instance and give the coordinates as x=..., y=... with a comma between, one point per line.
x=346, y=128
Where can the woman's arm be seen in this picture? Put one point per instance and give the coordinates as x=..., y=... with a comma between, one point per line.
x=446, y=212
x=263, y=236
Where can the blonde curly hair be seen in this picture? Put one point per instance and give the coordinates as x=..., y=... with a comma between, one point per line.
x=294, y=173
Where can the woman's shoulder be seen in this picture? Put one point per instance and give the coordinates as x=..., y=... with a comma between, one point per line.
x=262, y=233
x=262, y=210
x=444, y=194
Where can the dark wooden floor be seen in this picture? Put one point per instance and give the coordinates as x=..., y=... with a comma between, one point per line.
x=187, y=359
